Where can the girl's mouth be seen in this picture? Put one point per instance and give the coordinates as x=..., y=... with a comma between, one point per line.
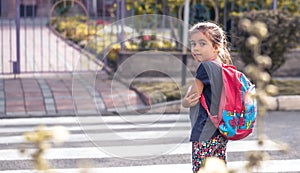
x=197, y=54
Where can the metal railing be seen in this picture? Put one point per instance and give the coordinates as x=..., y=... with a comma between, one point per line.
x=29, y=44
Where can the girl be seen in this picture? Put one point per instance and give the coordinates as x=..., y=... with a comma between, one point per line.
x=208, y=46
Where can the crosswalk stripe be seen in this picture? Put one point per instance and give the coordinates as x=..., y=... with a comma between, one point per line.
x=97, y=127
x=36, y=121
x=95, y=119
x=267, y=166
x=106, y=136
x=101, y=152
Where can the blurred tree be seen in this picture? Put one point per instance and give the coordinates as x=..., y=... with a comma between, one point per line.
x=284, y=31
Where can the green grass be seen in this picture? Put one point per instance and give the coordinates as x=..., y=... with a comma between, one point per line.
x=287, y=87
x=169, y=91
x=161, y=91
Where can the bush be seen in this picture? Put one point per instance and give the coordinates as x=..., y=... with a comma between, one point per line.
x=283, y=34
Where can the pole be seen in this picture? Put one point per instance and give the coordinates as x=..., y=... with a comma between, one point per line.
x=95, y=10
x=121, y=36
x=17, y=65
x=185, y=40
x=186, y=25
x=274, y=4
x=122, y=22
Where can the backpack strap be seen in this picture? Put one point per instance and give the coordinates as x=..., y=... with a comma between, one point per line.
x=214, y=118
x=203, y=103
x=202, y=98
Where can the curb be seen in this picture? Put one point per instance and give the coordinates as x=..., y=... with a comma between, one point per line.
x=59, y=114
x=278, y=103
x=284, y=103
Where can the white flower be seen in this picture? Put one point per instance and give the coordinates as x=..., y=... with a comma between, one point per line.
x=260, y=29
x=252, y=42
x=59, y=134
x=264, y=61
x=214, y=165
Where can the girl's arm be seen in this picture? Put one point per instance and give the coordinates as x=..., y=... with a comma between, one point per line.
x=193, y=94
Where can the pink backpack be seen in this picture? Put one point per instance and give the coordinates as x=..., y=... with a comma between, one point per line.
x=238, y=109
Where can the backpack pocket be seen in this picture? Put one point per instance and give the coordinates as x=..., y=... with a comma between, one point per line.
x=247, y=118
x=229, y=124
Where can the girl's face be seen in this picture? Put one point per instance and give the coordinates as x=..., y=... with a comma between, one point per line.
x=202, y=48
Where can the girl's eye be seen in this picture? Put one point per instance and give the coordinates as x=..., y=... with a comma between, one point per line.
x=202, y=44
x=193, y=44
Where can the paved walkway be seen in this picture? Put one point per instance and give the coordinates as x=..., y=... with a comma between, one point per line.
x=64, y=94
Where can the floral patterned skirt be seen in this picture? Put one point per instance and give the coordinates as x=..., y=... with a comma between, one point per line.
x=215, y=147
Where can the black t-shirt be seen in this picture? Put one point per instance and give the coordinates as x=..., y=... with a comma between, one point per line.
x=210, y=74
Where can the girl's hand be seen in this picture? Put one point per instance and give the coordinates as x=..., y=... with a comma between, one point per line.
x=192, y=95
x=190, y=100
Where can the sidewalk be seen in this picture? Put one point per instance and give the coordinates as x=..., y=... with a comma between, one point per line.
x=64, y=94
x=67, y=94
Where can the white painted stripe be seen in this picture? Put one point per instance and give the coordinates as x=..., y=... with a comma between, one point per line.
x=153, y=118
x=267, y=166
x=292, y=165
x=37, y=121
x=115, y=136
x=247, y=145
x=93, y=152
x=100, y=127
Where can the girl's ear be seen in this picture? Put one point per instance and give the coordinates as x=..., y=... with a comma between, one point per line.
x=217, y=48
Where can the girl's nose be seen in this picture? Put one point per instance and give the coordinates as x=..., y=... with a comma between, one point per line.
x=195, y=47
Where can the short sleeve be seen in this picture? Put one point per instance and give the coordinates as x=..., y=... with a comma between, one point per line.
x=202, y=75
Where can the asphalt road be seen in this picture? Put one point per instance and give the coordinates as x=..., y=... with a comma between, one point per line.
x=278, y=127
x=284, y=127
